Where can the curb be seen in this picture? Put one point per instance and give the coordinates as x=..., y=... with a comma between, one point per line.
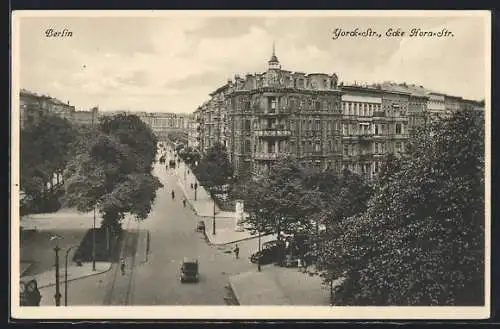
x=231, y=285
x=229, y=242
x=91, y=274
x=80, y=277
x=189, y=201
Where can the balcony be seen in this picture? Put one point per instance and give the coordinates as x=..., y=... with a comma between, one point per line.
x=365, y=136
x=273, y=132
x=273, y=112
x=365, y=156
x=269, y=156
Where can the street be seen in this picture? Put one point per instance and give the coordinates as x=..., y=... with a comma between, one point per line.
x=173, y=237
x=157, y=282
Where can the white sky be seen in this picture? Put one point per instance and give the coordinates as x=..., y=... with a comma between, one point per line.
x=171, y=64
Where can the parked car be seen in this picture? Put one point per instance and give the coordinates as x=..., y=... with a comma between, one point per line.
x=189, y=270
x=201, y=226
x=269, y=253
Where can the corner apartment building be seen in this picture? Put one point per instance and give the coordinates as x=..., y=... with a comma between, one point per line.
x=276, y=113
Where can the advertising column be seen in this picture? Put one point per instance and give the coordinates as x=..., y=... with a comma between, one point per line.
x=239, y=213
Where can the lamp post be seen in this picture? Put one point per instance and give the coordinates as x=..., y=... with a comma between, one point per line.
x=57, y=296
x=93, y=244
x=66, y=275
x=195, y=189
x=213, y=221
x=259, y=228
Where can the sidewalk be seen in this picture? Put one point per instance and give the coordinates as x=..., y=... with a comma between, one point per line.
x=204, y=207
x=47, y=279
x=279, y=286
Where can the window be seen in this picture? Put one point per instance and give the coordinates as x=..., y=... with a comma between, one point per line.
x=317, y=147
x=247, y=146
x=247, y=124
x=398, y=128
x=303, y=147
x=330, y=145
x=292, y=147
x=309, y=127
x=346, y=149
x=398, y=146
x=344, y=129
x=318, y=125
x=317, y=105
x=273, y=103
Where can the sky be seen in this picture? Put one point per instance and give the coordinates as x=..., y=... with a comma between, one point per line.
x=171, y=63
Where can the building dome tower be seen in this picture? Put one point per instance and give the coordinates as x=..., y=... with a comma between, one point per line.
x=274, y=63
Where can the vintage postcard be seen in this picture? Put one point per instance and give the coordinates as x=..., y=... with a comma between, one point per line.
x=250, y=165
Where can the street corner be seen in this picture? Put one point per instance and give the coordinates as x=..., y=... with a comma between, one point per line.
x=47, y=279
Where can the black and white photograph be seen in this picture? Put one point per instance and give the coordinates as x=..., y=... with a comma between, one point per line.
x=250, y=164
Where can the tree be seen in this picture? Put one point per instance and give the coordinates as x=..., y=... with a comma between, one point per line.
x=421, y=239
x=215, y=170
x=113, y=171
x=51, y=135
x=281, y=200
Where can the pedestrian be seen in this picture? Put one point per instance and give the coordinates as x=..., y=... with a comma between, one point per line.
x=237, y=251
x=173, y=194
x=184, y=202
x=122, y=266
x=191, y=185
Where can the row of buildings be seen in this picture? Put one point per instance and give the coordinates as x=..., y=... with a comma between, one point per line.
x=33, y=106
x=321, y=122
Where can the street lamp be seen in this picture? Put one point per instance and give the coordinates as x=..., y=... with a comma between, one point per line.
x=195, y=189
x=93, y=244
x=66, y=275
x=213, y=221
x=57, y=296
x=259, y=228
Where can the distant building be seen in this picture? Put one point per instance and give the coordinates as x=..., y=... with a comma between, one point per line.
x=194, y=130
x=33, y=106
x=164, y=123
x=86, y=118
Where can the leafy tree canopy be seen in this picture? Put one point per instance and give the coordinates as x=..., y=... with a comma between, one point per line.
x=214, y=168
x=113, y=171
x=421, y=239
x=45, y=149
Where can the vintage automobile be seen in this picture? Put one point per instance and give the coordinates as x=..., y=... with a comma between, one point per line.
x=189, y=270
x=269, y=253
x=200, y=227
